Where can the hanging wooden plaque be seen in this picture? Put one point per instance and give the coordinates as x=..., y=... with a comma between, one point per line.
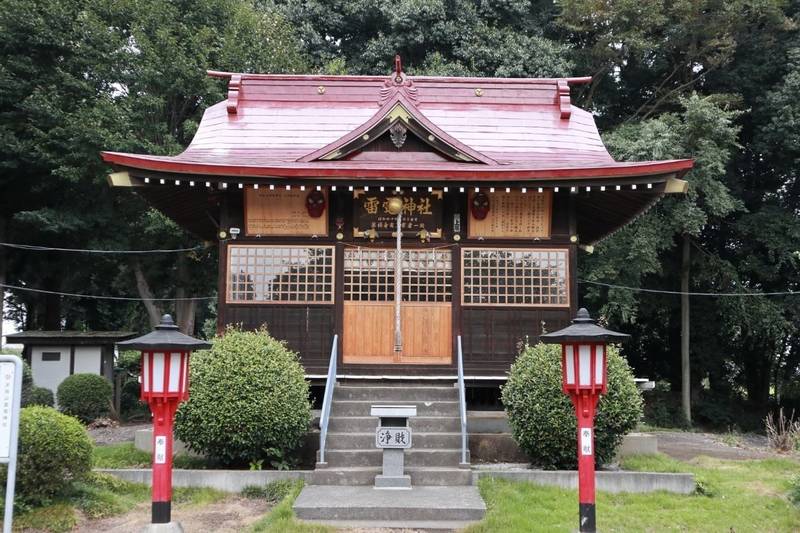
x=514, y=215
x=421, y=211
x=281, y=213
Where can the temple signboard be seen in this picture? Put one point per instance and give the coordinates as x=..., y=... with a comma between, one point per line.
x=282, y=212
x=514, y=215
x=422, y=211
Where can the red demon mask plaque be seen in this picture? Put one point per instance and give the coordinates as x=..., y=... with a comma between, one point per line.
x=479, y=206
x=315, y=204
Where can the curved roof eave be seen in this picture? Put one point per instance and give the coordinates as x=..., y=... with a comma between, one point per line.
x=344, y=170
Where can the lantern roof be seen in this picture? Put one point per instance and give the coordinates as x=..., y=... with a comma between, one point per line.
x=165, y=336
x=583, y=329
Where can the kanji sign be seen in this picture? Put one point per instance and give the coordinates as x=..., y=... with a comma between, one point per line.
x=6, y=405
x=389, y=437
x=586, y=441
x=421, y=210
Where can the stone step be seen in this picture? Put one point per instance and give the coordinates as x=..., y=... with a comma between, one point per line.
x=366, y=441
x=424, y=408
x=320, y=502
x=447, y=457
x=393, y=525
x=361, y=475
x=365, y=424
x=385, y=394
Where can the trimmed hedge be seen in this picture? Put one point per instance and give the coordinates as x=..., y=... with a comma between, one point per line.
x=41, y=396
x=85, y=396
x=542, y=417
x=248, y=400
x=54, y=451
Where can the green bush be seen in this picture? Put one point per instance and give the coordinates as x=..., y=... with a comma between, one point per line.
x=542, y=417
x=248, y=400
x=85, y=396
x=54, y=451
x=41, y=396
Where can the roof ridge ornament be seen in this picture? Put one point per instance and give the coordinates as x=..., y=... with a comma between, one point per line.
x=234, y=86
x=563, y=100
x=399, y=82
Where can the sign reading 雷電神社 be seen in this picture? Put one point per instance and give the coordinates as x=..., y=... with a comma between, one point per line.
x=421, y=211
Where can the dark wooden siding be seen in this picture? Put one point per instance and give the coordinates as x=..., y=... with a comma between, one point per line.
x=491, y=336
x=308, y=330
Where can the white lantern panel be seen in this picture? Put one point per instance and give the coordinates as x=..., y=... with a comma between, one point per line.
x=158, y=372
x=174, y=371
x=185, y=374
x=585, y=362
x=570, y=359
x=146, y=373
x=598, y=364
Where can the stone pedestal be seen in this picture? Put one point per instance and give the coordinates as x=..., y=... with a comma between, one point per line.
x=171, y=527
x=393, y=476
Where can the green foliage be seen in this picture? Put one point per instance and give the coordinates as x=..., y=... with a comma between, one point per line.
x=85, y=396
x=794, y=490
x=121, y=455
x=281, y=518
x=27, y=383
x=542, y=417
x=273, y=491
x=54, y=451
x=248, y=399
x=445, y=38
x=40, y=396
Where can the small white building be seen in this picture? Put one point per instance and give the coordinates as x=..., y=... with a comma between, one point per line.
x=55, y=355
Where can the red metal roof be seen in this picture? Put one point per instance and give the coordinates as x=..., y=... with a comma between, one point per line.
x=281, y=125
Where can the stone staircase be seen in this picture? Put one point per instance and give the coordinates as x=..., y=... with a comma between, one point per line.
x=341, y=492
x=435, y=457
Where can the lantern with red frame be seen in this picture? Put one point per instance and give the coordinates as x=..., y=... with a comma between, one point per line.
x=583, y=366
x=164, y=385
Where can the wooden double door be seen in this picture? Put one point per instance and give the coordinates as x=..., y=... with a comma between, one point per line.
x=425, y=308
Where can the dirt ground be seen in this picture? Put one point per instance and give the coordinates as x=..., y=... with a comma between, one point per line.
x=115, y=434
x=231, y=515
x=688, y=445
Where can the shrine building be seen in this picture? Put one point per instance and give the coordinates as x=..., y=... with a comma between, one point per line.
x=499, y=183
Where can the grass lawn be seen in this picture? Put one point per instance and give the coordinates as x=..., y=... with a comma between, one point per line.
x=281, y=518
x=126, y=455
x=740, y=496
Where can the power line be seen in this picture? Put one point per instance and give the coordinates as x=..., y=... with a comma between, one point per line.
x=99, y=297
x=36, y=248
x=659, y=291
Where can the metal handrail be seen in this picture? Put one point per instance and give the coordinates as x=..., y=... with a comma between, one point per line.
x=330, y=383
x=462, y=403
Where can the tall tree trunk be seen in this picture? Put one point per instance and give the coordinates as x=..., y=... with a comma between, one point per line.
x=184, y=309
x=143, y=288
x=686, y=393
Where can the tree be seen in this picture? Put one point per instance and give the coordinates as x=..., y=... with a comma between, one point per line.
x=78, y=77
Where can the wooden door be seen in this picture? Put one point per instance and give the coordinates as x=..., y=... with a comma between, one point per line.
x=369, y=307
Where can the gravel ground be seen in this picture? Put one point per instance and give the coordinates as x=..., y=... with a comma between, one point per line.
x=686, y=446
x=114, y=435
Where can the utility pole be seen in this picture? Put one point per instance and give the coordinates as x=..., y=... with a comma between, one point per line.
x=686, y=393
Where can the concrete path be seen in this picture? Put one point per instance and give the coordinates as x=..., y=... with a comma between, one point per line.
x=684, y=445
x=364, y=506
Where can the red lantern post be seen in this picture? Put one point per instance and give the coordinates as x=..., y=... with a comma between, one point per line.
x=583, y=365
x=165, y=384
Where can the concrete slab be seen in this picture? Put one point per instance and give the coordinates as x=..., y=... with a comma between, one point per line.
x=416, y=525
x=325, y=502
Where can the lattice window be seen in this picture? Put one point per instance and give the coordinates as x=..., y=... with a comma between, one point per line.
x=508, y=277
x=280, y=274
x=369, y=275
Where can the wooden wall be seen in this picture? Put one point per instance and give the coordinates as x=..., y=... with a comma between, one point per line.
x=490, y=335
